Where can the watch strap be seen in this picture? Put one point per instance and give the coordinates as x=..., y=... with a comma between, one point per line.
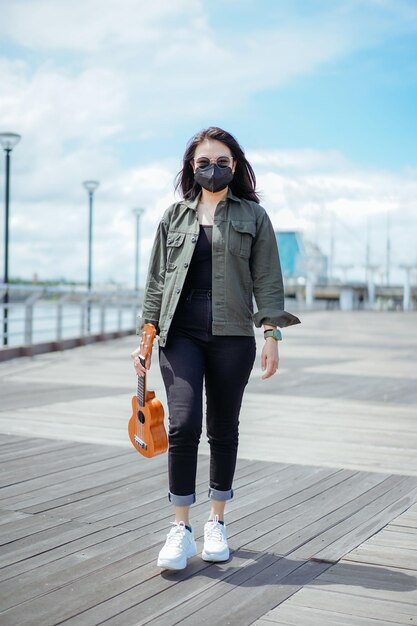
x=275, y=333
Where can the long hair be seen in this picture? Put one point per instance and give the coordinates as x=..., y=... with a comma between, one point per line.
x=244, y=181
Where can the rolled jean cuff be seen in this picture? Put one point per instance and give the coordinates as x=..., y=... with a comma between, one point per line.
x=215, y=494
x=181, y=500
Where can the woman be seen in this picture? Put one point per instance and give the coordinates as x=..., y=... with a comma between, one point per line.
x=214, y=251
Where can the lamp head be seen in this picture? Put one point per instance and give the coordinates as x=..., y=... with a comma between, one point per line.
x=138, y=211
x=91, y=185
x=9, y=140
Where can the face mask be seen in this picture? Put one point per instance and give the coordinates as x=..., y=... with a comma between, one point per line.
x=213, y=178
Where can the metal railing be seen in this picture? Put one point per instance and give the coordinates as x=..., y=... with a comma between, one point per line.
x=32, y=314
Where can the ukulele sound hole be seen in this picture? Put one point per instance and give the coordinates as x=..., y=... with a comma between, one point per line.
x=141, y=417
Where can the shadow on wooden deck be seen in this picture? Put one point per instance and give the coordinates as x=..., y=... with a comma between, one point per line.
x=82, y=525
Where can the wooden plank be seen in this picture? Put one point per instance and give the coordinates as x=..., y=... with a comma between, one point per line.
x=47, y=539
x=104, y=489
x=114, y=578
x=392, y=583
x=145, y=598
x=148, y=589
x=292, y=615
x=9, y=440
x=109, y=563
x=25, y=448
x=269, y=512
x=55, y=455
x=69, y=554
x=110, y=469
x=29, y=525
x=379, y=555
x=279, y=518
x=7, y=516
x=57, y=469
x=394, y=539
x=336, y=503
x=237, y=600
x=372, y=517
x=380, y=609
x=359, y=590
x=403, y=528
x=331, y=536
x=52, y=569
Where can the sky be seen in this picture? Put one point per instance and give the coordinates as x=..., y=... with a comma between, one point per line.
x=321, y=94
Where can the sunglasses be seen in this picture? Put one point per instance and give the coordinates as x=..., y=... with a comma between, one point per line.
x=222, y=161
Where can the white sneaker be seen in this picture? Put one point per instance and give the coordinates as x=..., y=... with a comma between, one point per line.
x=179, y=546
x=215, y=541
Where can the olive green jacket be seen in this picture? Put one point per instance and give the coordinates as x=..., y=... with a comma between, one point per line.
x=245, y=264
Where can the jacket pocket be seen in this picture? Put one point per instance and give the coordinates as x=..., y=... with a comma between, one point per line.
x=241, y=235
x=174, y=247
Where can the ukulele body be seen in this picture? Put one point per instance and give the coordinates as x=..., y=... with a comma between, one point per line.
x=146, y=426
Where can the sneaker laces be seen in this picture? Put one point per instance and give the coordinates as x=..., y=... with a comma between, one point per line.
x=214, y=531
x=175, y=535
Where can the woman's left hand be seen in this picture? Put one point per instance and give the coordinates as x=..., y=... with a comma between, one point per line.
x=269, y=357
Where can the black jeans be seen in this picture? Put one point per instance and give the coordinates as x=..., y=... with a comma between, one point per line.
x=192, y=354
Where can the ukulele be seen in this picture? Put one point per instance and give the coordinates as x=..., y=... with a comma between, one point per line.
x=146, y=426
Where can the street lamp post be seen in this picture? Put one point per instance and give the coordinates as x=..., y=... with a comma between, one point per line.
x=8, y=141
x=138, y=212
x=90, y=186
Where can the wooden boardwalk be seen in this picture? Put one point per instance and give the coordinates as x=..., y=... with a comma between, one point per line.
x=82, y=526
x=376, y=584
x=323, y=526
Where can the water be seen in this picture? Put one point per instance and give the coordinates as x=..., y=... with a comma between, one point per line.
x=45, y=322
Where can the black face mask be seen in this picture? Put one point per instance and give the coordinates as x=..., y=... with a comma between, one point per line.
x=213, y=178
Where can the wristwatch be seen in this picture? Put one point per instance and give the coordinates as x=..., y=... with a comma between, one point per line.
x=276, y=334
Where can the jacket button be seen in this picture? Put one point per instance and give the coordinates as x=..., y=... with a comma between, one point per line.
x=185, y=265
x=178, y=290
x=193, y=239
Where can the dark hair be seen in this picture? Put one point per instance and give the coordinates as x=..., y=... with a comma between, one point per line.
x=244, y=180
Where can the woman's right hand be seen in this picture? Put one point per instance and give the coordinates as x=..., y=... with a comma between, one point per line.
x=139, y=369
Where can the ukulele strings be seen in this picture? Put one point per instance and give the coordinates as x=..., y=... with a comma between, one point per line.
x=141, y=379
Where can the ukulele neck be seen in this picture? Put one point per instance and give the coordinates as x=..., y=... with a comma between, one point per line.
x=141, y=392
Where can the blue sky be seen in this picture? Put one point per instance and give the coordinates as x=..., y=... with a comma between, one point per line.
x=363, y=104
x=321, y=94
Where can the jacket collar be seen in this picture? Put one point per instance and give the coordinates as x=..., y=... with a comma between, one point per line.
x=192, y=204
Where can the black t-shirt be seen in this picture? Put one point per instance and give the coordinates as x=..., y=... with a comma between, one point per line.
x=199, y=272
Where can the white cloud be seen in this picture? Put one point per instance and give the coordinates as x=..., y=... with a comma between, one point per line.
x=105, y=68
x=90, y=25
x=317, y=191
x=50, y=236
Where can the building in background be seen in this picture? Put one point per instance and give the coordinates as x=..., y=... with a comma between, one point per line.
x=300, y=258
